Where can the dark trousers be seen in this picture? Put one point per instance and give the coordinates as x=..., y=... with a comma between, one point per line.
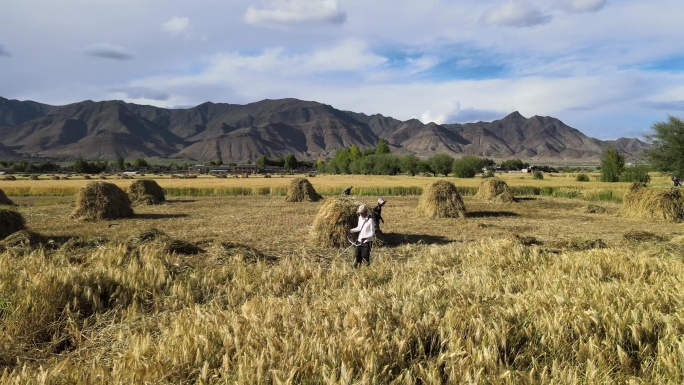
x=362, y=253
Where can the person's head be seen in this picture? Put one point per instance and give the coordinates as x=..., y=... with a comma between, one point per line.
x=362, y=211
x=381, y=202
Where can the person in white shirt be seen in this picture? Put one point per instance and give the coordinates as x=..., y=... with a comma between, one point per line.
x=364, y=242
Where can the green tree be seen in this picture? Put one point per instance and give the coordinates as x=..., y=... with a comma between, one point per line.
x=140, y=163
x=354, y=152
x=290, y=162
x=468, y=166
x=262, y=161
x=441, y=164
x=120, y=163
x=512, y=165
x=667, y=142
x=382, y=147
x=409, y=164
x=612, y=165
x=636, y=173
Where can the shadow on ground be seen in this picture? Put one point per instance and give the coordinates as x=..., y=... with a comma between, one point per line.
x=490, y=214
x=172, y=201
x=397, y=239
x=160, y=216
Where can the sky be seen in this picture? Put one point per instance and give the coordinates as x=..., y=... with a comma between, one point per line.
x=606, y=67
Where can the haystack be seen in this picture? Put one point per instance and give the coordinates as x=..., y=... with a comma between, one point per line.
x=102, y=200
x=643, y=202
x=146, y=191
x=441, y=200
x=300, y=190
x=4, y=200
x=10, y=222
x=335, y=216
x=495, y=190
x=23, y=240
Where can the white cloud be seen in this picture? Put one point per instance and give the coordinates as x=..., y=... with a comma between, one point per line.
x=422, y=64
x=4, y=51
x=289, y=12
x=176, y=25
x=109, y=51
x=142, y=93
x=516, y=13
x=583, y=5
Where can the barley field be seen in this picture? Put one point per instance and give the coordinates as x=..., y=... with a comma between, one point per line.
x=221, y=287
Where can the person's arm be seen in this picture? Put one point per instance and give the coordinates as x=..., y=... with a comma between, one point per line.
x=358, y=227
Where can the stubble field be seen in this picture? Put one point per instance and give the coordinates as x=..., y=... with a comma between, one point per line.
x=539, y=291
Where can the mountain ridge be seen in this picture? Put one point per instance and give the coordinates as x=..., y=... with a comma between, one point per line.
x=308, y=129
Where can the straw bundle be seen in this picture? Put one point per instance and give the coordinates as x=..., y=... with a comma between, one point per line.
x=300, y=190
x=335, y=216
x=22, y=240
x=441, y=200
x=495, y=190
x=102, y=200
x=4, y=200
x=146, y=191
x=653, y=203
x=10, y=222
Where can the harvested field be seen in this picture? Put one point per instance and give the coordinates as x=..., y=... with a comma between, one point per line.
x=480, y=300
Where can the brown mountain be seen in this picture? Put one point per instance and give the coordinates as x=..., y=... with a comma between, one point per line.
x=307, y=129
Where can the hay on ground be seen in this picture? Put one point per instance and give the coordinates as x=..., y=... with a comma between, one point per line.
x=596, y=209
x=575, y=244
x=162, y=241
x=102, y=200
x=4, y=200
x=146, y=191
x=10, y=222
x=441, y=200
x=23, y=240
x=9, y=177
x=335, y=216
x=300, y=190
x=495, y=190
x=34, y=177
x=643, y=202
x=245, y=253
x=643, y=236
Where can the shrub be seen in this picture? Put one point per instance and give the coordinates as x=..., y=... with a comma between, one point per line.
x=582, y=178
x=537, y=175
x=637, y=173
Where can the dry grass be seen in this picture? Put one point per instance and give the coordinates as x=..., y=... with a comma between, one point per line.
x=11, y=221
x=102, y=200
x=441, y=200
x=455, y=302
x=654, y=203
x=301, y=190
x=495, y=190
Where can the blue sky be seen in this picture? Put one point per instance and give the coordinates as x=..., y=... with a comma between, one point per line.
x=609, y=68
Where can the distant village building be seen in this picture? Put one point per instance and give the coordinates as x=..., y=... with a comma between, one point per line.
x=198, y=169
x=245, y=169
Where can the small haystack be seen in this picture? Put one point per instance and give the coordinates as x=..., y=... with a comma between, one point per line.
x=146, y=191
x=335, y=216
x=300, y=190
x=10, y=222
x=23, y=240
x=643, y=202
x=441, y=200
x=4, y=200
x=495, y=190
x=102, y=200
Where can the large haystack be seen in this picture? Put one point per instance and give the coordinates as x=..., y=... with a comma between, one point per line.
x=335, y=216
x=300, y=190
x=441, y=200
x=10, y=222
x=654, y=203
x=146, y=191
x=4, y=200
x=495, y=190
x=102, y=200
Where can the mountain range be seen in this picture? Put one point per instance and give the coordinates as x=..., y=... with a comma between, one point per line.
x=310, y=130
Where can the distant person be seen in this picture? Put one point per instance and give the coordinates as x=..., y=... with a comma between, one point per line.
x=347, y=191
x=676, y=181
x=377, y=213
x=364, y=242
